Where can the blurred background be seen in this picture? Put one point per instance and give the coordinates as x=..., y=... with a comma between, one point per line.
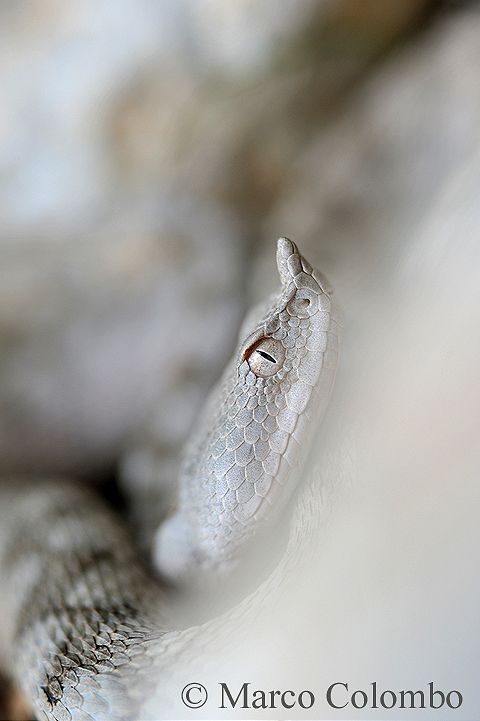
x=150, y=155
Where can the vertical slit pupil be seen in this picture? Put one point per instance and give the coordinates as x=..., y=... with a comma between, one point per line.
x=267, y=356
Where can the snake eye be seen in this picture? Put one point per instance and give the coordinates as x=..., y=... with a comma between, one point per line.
x=265, y=357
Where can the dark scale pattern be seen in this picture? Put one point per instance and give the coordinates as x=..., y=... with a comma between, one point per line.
x=76, y=591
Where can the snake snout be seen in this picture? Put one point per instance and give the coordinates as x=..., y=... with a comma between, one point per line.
x=294, y=269
x=288, y=260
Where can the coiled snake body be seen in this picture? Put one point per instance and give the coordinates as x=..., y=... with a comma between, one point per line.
x=82, y=619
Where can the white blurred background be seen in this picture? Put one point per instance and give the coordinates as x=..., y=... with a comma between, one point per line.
x=151, y=153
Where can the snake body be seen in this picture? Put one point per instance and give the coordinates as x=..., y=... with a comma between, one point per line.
x=83, y=620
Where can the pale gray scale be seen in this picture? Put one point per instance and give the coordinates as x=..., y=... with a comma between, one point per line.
x=252, y=402
x=235, y=438
x=280, y=334
x=71, y=696
x=275, y=390
x=306, y=265
x=230, y=500
x=245, y=492
x=298, y=397
x=287, y=420
x=235, y=477
x=278, y=441
x=245, y=511
x=263, y=485
x=270, y=399
x=53, y=667
x=244, y=417
x=262, y=447
x=260, y=413
x=113, y=685
x=233, y=412
x=324, y=302
x=330, y=359
x=264, y=434
x=297, y=307
x=224, y=463
x=321, y=341
x=322, y=323
x=242, y=400
x=253, y=471
x=285, y=387
x=252, y=432
x=218, y=447
x=61, y=713
x=243, y=370
x=305, y=280
x=289, y=342
x=244, y=454
x=270, y=424
x=280, y=401
x=309, y=369
x=271, y=463
x=55, y=689
x=222, y=487
x=272, y=408
x=284, y=316
x=271, y=325
x=291, y=452
x=294, y=264
x=224, y=428
x=227, y=519
x=103, y=640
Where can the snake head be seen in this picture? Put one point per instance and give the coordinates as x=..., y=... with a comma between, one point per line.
x=249, y=446
x=281, y=340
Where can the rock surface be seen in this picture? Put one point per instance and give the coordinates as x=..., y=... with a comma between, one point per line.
x=139, y=152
